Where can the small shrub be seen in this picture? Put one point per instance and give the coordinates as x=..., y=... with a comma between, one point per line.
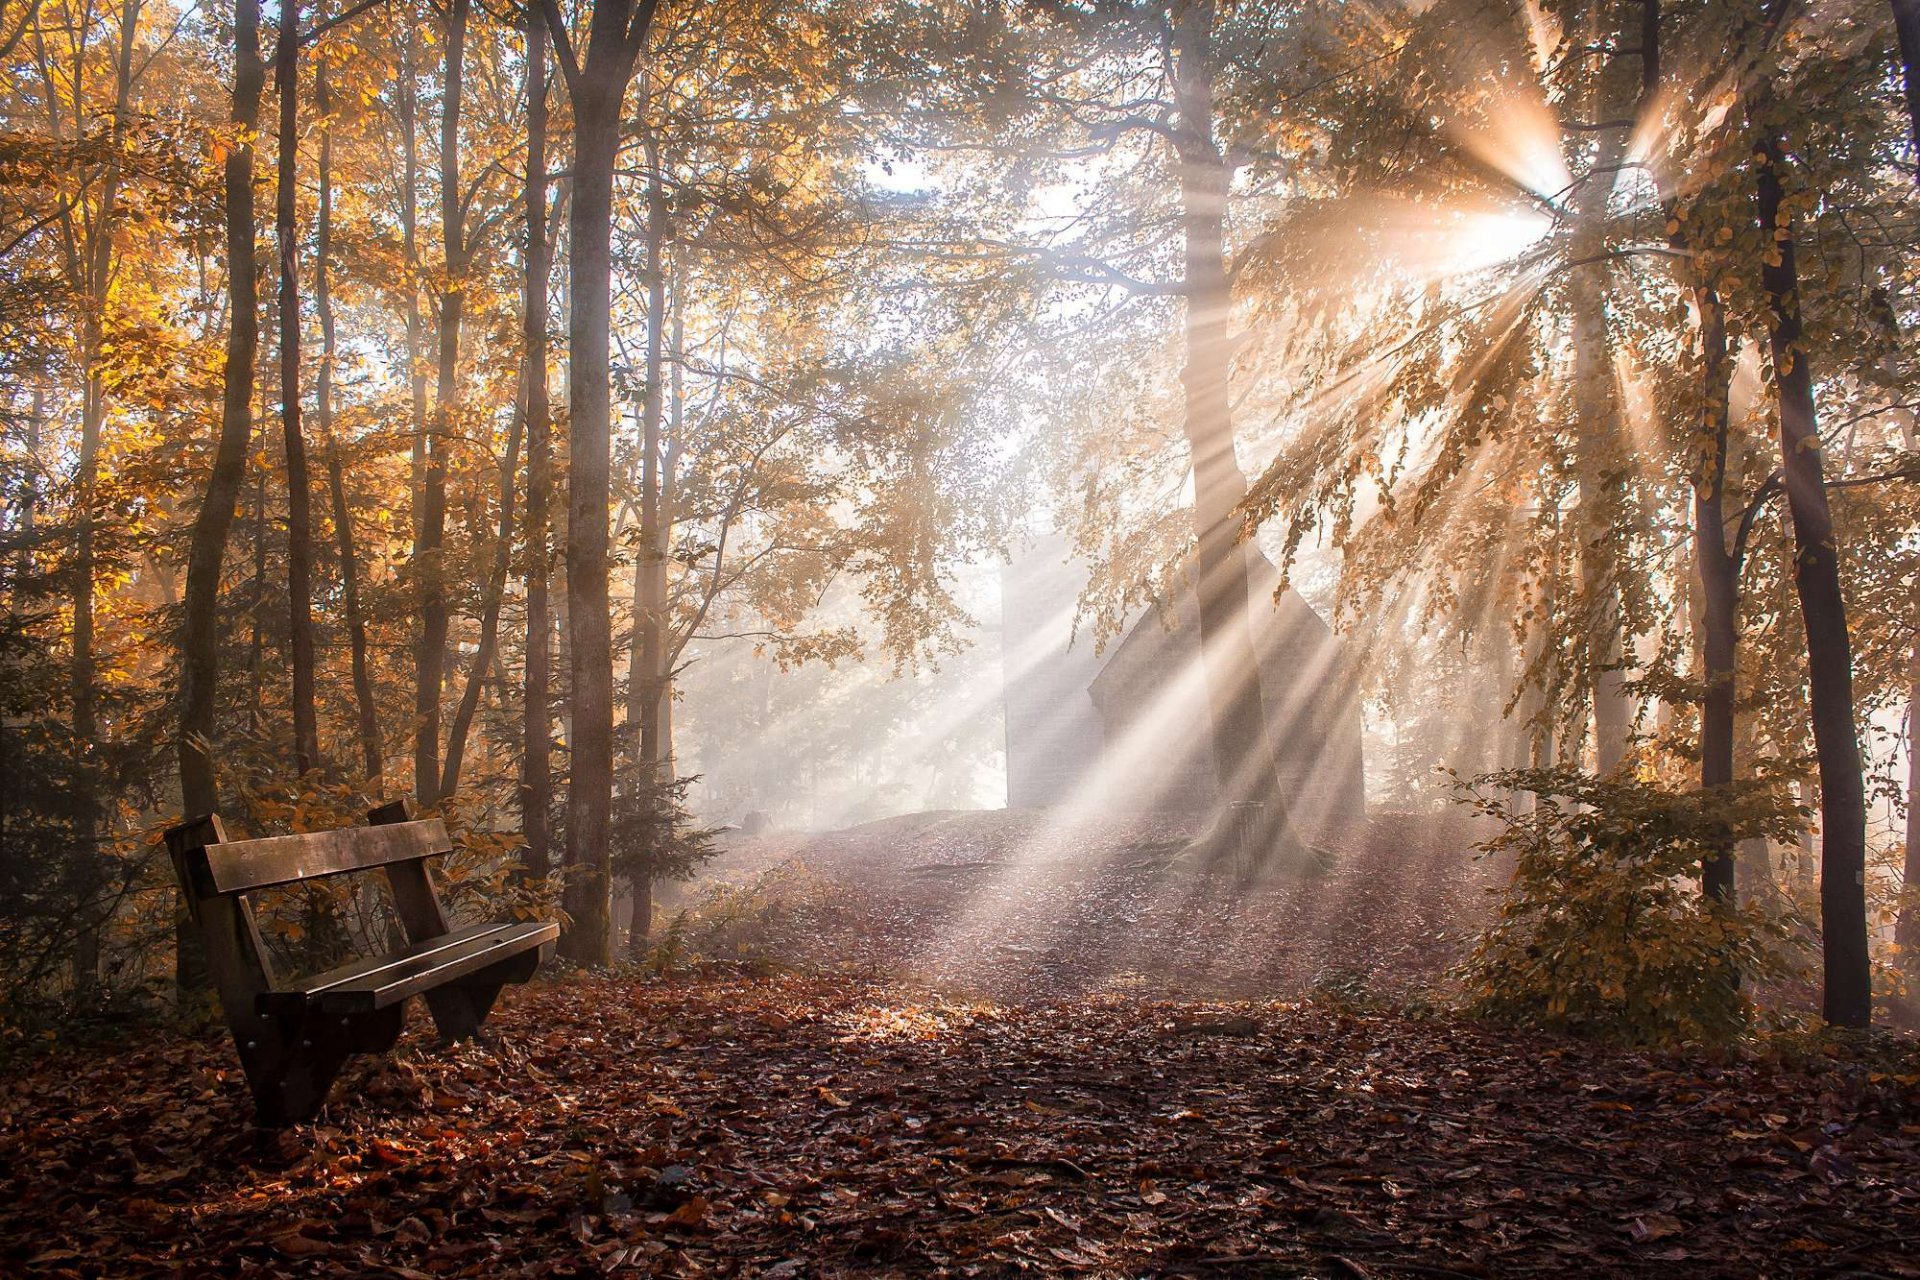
x=1602, y=929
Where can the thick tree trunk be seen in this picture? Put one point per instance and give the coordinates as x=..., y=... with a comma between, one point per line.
x=1244, y=761
x=1719, y=584
x=200, y=631
x=597, y=84
x=1848, y=997
x=536, y=776
x=430, y=658
x=590, y=641
x=367, y=715
x=286, y=78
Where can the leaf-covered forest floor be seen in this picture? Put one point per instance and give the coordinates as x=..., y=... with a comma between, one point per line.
x=1057, y=1112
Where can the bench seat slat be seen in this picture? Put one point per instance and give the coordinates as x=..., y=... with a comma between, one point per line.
x=244, y=865
x=367, y=985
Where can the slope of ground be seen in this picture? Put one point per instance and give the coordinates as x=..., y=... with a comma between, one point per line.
x=1020, y=904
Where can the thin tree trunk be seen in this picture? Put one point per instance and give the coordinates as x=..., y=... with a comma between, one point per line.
x=489, y=618
x=646, y=684
x=286, y=77
x=1906, y=22
x=536, y=778
x=1719, y=582
x=410, y=249
x=1906, y=932
x=430, y=567
x=1848, y=996
x=1242, y=748
x=256, y=602
x=86, y=868
x=367, y=720
x=200, y=632
x=1597, y=406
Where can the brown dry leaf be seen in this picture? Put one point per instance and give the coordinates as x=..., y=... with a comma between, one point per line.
x=292, y=1242
x=691, y=1214
x=1655, y=1226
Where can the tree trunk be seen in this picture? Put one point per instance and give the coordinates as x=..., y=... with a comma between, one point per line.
x=1848, y=996
x=597, y=84
x=1906, y=22
x=367, y=718
x=1906, y=932
x=590, y=641
x=256, y=603
x=646, y=676
x=430, y=569
x=85, y=867
x=1244, y=762
x=1719, y=584
x=489, y=617
x=286, y=79
x=410, y=249
x=200, y=631
x=1597, y=445
x=536, y=775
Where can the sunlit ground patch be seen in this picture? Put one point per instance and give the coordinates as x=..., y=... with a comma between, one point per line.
x=912, y=1021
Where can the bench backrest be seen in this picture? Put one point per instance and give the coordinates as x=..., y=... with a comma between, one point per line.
x=241, y=866
x=215, y=873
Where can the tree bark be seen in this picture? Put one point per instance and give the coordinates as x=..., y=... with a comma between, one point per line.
x=286, y=79
x=200, y=632
x=1719, y=570
x=646, y=676
x=489, y=616
x=536, y=774
x=1906, y=932
x=85, y=867
x=1906, y=22
x=1244, y=762
x=590, y=642
x=1597, y=443
x=1847, y=999
x=410, y=249
x=367, y=715
x=256, y=603
x=597, y=83
x=430, y=657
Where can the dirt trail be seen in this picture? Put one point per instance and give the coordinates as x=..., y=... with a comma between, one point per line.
x=1017, y=905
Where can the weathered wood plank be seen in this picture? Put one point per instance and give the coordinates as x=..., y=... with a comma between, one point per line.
x=292, y=997
x=396, y=981
x=244, y=865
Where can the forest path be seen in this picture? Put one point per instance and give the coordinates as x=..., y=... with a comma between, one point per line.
x=1027, y=905
x=832, y=1127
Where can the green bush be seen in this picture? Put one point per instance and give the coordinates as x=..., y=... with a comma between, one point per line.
x=1602, y=929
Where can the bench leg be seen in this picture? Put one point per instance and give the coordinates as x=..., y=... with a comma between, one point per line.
x=311, y=1056
x=477, y=993
x=455, y=1013
x=376, y=1032
x=311, y=1059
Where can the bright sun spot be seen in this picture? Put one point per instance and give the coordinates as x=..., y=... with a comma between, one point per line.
x=1484, y=240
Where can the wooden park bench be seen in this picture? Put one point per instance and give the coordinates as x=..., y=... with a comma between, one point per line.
x=294, y=1034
